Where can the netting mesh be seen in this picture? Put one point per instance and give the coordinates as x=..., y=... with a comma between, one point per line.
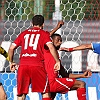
x=81, y=25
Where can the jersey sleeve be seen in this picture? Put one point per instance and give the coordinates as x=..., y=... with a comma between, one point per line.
x=47, y=38
x=96, y=47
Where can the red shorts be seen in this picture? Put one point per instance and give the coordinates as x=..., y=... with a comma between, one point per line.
x=34, y=75
x=61, y=85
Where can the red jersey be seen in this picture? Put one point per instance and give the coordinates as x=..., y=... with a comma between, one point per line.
x=32, y=42
x=60, y=85
x=49, y=64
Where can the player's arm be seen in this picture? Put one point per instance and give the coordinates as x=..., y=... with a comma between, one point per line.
x=59, y=25
x=11, y=54
x=81, y=47
x=55, y=55
x=86, y=74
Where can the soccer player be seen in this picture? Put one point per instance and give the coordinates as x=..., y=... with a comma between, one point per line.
x=92, y=46
x=3, y=95
x=31, y=67
x=63, y=85
x=57, y=40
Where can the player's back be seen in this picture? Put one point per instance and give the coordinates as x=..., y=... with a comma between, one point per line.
x=32, y=42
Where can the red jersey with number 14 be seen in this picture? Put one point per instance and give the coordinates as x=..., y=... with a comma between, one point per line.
x=32, y=42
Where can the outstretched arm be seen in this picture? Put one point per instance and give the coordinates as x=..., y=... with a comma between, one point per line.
x=86, y=74
x=59, y=25
x=81, y=47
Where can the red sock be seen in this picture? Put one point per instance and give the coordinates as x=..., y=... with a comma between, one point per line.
x=46, y=99
x=81, y=93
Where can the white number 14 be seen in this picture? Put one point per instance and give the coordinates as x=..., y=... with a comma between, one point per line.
x=31, y=43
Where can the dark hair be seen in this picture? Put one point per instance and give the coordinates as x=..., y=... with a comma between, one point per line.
x=54, y=35
x=38, y=20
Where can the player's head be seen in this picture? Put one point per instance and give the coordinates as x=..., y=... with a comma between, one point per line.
x=57, y=40
x=38, y=20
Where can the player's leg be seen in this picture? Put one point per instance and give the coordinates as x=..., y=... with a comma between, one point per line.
x=23, y=82
x=81, y=90
x=3, y=95
x=21, y=97
x=78, y=84
x=40, y=82
x=46, y=96
x=61, y=85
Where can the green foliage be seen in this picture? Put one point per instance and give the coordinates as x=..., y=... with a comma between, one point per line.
x=48, y=8
x=71, y=9
x=80, y=9
x=19, y=9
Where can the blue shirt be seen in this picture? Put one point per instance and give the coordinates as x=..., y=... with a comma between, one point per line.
x=96, y=47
